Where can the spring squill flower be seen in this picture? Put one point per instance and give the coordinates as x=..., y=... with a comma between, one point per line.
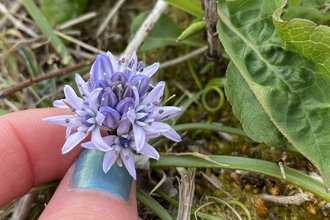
x=87, y=119
x=120, y=148
x=121, y=101
x=147, y=116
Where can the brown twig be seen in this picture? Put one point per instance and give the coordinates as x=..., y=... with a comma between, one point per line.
x=211, y=19
x=60, y=72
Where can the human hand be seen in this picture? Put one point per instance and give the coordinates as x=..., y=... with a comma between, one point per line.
x=30, y=155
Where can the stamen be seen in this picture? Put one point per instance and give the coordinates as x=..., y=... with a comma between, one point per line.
x=160, y=111
x=67, y=104
x=171, y=97
x=67, y=120
x=119, y=163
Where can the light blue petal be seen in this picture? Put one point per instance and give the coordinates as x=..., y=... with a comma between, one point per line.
x=72, y=98
x=139, y=136
x=99, y=118
x=89, y=145
x=164, y=113
x=131, y=115
x=150, y=70
x=132, y=64
x=149, y=151
x=82, y=86
x=93, y=100
x=59, y=104
x=109, y=159
x=128, y=160
x=157, y=127
x=136, y=96
x=72, y=141
x=98, y=140
x=171, y=134
x=64, y=120
x=110, y=139
x=155, y=95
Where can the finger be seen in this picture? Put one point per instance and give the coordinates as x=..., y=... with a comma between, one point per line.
x=86, y=192
x=30, y=151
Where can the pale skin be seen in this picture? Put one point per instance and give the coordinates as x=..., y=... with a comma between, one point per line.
x=30, y=155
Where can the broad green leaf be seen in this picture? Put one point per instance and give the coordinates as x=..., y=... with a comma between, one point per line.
x=249, y=111
x=192, y=7
x=165, y=32
x=284, y=83
x=59, y=11
x=305, y=12
x=314, y=3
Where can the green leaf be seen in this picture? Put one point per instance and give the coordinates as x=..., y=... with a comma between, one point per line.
x=314, y=3
x=240, y=163
x=286, y=81
x=192, y=7
x=165, y=32
x=59, y=11
x=193, y=29
x=304, y=12
x=47, y=30
x=249, y=111
x=150, y=202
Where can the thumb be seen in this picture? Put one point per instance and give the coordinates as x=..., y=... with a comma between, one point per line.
x=86, y=192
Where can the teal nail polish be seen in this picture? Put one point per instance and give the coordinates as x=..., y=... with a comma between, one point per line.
x=88, y=173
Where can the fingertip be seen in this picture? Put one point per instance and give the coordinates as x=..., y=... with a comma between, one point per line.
x=86, y=192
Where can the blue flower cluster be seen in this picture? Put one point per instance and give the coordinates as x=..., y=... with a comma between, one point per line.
x=121, y=101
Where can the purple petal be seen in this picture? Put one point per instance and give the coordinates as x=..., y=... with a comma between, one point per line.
x=150, y=70
x=155, y=95
x=119, y=76
x=101, y=67
x=123, y=127
x=109, y=98
x=129, y=74
x=99, y=84
x=72, y=141
x=141, y=82
x=171, y=134
x=149, y=151
x=128, y=91
x=72, y=98
x=139, y=136
x=114, y=63
x=98, y=140
x=124, y=105
x=109, y=159
x=111, y=116
x=59, y=104
x=133, y=62
x=128, y=160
